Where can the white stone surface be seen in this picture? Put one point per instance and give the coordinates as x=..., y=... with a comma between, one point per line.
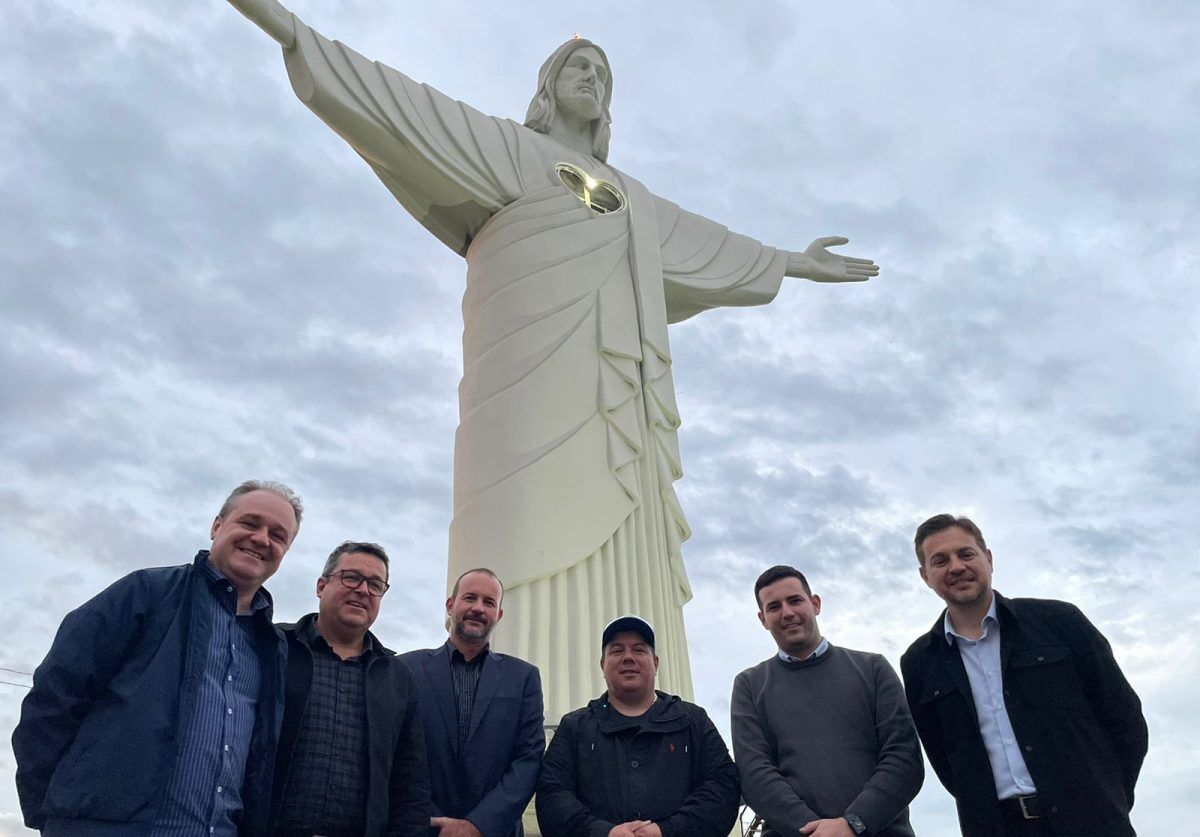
x=566, y=451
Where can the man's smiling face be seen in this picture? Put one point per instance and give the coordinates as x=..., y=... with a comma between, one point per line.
x=249, y=542
x=350, y=610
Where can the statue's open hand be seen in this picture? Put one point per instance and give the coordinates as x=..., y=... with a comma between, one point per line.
x=819, y=265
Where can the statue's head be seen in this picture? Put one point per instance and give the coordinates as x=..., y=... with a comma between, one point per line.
x=576, y=77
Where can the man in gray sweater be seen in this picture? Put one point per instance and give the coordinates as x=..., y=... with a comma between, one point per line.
x=822, y=736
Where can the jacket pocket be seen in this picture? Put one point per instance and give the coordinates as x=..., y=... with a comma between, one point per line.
x=1046, y=674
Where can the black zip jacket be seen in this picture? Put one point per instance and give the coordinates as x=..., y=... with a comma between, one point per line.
x=669, y=766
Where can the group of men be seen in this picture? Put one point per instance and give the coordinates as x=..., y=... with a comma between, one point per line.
x=170, y=705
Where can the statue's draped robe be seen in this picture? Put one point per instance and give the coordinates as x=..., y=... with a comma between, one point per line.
x=566, y=451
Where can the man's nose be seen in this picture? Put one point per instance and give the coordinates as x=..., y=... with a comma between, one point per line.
x=260, y=535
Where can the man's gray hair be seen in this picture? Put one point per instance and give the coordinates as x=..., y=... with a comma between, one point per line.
x=277, y=488
x=351, y=547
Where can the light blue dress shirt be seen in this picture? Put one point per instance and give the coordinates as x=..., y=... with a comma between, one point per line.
x=981, y=659
x=820, y=649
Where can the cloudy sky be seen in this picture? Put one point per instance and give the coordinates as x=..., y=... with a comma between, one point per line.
x=199, y=282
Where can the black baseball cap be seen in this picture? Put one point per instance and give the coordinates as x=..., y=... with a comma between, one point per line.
x=627, y=623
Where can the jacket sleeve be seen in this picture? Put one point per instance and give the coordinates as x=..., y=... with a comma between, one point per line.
x=925, y=719
x=408, y=797
x=560, y=812
x=766, y=790
x=899, y=771
x=711, y=808
x=86, y=653
x=502, y=806
x=1115, y=703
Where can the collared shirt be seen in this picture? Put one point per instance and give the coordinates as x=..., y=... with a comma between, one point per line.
x=326, y=791
x=818, y=651
x=981, y=659
x=204, y=793
x=466, y=682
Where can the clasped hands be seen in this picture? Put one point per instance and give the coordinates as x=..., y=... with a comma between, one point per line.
x=834, y=827
x=636, y=828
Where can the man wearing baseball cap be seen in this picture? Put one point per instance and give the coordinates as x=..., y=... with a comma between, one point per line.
x=636, y=762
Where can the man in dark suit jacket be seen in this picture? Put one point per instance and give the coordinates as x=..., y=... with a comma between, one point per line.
x=1024, y=713
x=482, y=712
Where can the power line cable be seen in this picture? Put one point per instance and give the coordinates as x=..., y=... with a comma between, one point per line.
x=15, y=671
x=19, y=685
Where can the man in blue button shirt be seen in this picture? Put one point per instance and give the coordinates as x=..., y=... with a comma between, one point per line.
x=1022, y=709
x=157, y=709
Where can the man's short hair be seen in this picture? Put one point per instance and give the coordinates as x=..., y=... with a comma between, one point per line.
x=277, y=488
x=778, y=573
x=941, y=522
x=350, y=547
x=485, y=571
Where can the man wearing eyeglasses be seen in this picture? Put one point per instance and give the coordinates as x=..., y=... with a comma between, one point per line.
x=352, y=754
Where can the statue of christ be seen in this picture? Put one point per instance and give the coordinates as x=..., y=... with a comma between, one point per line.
x=566, y=451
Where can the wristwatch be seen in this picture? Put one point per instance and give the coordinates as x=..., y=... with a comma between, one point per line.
x=856, y=823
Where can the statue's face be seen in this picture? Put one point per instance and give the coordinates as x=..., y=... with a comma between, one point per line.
x=581, y=84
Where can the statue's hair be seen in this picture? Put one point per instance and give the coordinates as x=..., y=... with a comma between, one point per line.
x=277, y=488
x=543, y=108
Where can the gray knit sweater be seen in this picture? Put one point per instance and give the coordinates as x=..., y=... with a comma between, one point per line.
x=820, y=738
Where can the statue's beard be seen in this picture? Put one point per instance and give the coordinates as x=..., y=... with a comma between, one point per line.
x=582, y=103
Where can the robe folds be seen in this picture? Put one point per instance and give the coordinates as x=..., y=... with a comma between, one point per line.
x=566, y=452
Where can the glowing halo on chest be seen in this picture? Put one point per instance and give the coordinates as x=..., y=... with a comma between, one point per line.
x=597, y=195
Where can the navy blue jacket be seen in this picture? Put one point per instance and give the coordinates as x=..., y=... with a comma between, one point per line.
x=1076, y=718
x=493, y=780
x=397, y=776
x=96, y=741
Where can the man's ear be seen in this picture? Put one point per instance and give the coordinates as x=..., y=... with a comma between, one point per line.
x=762, y=618
x=212, y=532
x=321, y=582
x=816, y=600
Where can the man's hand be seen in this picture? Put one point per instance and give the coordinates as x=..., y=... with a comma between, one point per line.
x=837, y=827
x=274, y=19
x=650, y=829
x=629, y=829
x=450, y=827
x=819, y=265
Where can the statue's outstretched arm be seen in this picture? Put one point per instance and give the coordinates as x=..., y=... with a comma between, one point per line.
x=271, y=15
x=819, y=265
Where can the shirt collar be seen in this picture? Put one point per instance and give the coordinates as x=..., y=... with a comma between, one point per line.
x=820, y=649
x=456, y=655
x=989, y=619
x=218, y=584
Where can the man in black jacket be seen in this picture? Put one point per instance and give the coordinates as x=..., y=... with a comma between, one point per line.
x=352, y=753
x=1022, y=709
x=636, y=762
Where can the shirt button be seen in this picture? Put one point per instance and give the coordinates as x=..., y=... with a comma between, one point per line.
x=1029, y=748
x=232, y=647
x=1041, y=659
x=228, y=589
x=219, y=788
x=229, y=677
x=228, y=710
x=633, y=763
x=227, y=748
x=1053, y=809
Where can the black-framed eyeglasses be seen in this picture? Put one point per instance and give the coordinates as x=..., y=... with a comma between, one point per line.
x=349, y=578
